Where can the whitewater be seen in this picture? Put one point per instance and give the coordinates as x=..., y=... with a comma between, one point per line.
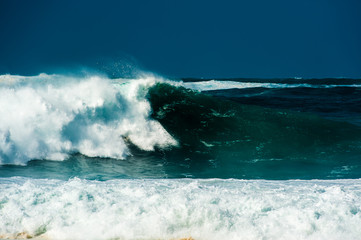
x=49, y=117
x=174, y=209
x=89, y=157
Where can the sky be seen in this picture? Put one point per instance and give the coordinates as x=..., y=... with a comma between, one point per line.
x=210, y=39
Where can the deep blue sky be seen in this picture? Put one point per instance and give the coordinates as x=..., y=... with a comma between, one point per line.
x=253, y=38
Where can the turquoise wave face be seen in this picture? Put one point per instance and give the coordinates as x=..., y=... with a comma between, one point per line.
x=225, y=139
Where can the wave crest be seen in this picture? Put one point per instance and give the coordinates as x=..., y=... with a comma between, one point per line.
x=52, y=116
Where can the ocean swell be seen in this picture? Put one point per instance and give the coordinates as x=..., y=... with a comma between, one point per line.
x=54, y=117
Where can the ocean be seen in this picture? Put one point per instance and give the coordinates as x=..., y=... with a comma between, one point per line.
x=92, y=157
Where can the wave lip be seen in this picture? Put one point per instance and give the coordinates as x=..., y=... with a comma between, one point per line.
x=52, y=116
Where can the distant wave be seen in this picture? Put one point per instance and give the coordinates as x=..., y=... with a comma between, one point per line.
x=224, y=84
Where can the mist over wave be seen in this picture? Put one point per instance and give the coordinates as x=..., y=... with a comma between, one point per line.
x=52, y=116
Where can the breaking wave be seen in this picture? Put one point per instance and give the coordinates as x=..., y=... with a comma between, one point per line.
x=52, y=116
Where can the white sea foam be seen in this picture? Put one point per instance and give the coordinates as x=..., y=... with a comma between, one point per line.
x=170, y=209
x=223, y=85
x=51, y=116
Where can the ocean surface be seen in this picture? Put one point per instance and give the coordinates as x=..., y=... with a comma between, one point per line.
x=91, y=157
